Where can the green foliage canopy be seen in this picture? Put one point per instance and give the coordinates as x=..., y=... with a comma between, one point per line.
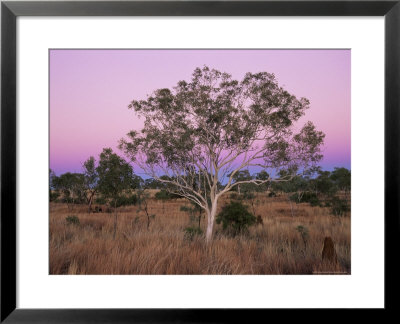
x=115, y=174
x=212, y=126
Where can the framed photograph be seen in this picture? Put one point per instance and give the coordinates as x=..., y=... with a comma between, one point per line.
x=163, y=159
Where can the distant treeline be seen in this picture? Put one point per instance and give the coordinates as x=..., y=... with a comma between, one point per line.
x=112, y=181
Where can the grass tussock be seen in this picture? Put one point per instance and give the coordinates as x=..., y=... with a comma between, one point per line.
x=276, y=247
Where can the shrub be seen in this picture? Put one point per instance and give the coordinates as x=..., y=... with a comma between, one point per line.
x=272, y=194
x=314, y=201
x=66, y=200
x=306, y=197
x=72, y=220
x=70, y=200
x=54, y=195
x=246, y=195
x=100, y=201
x=234, y=195
x=236, y=218
x=339, y=206
x=165, y=195
x=191, y=232
x=125, y=201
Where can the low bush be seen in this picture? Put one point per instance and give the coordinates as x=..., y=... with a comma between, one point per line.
x=125, y=201
x=339, y=207
x=191, y=232
x=306, y=197
x=72, y=220
x=100, y=201
x=234, y=195
x=53, y=196
x=165, y=195
x=74, y=201
x=245, y=195
x=235, y=218
x=248, y=195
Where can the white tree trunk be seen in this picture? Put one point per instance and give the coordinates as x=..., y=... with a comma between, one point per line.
x=210, y=221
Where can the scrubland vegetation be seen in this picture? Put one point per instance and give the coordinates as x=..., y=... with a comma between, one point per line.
x=199, y=210
x=165, y=247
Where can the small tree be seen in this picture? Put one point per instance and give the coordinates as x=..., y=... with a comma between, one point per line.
x=339, y=207
x=137, y=182
x=236, y=218
x=265, y=178
x=71, y=186
x=243, y=177
x=115, y=176
x=323, y=183
x=341, y=177
x=53, y=194
x=306, y=197
x=126, y=200
x=91, y=179
x=143, y=202
x=247, y=191
x=153, y=184
x=294, y=189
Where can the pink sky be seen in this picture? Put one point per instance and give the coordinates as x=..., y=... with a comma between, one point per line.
x=91, y=89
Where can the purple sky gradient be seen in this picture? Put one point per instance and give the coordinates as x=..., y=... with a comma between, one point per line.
x=91, y=89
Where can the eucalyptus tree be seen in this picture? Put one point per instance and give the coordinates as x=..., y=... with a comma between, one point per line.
x=91, y=179
x=115, y=176
x=52, y=176
x=70, y=185
x=153, y=184
x=243, y=176
x=294, y=189
x=53, y=195
x=263, y=175
x=342, y=179
x=204, y=131
x=323, y=183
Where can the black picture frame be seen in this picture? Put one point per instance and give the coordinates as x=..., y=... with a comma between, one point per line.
x=10, y=10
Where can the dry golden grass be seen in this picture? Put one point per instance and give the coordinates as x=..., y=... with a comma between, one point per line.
x=275, y=247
